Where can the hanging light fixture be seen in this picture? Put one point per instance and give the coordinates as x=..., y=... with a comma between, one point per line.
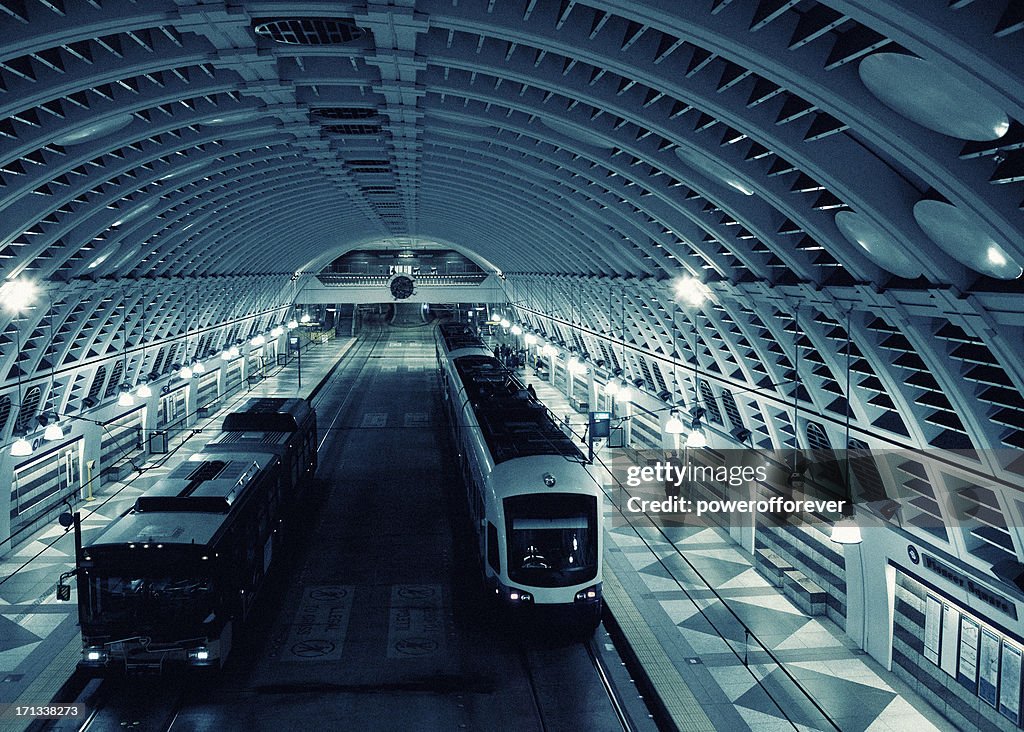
x=696, y=438
x=50, y=420
x=185, y=372
x=125, y=398
x=21, y=447
x=675, y=425
x=293, y=324
x=15, y=296
x=305, y=318
x=198, y=367
x=53, y=430
x=846, y=531
x=144, y=392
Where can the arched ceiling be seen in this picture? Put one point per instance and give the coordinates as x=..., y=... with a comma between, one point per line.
x=159, y=138
x=831, y=170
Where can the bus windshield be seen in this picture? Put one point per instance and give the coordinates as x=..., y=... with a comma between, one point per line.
x=140, y=605
x=552, y=539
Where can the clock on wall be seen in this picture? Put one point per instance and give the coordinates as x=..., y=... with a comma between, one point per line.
x=401, y=287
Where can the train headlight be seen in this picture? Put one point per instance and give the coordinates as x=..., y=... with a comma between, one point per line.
x=520, y=596
x=589, y=594
x=96, y=656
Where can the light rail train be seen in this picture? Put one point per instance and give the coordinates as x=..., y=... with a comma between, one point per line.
x=532, y=500
x=171, y=582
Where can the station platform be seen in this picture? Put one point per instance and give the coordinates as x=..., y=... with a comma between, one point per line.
x=705, y=669
x=39, y=640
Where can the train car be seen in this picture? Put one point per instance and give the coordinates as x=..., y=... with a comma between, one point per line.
x=171, y=582
x=535, y=506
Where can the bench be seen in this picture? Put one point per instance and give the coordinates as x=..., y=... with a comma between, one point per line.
x=771, y=565
x=804, y=593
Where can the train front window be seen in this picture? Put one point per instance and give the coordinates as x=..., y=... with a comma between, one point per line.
x=143, y=603
x=552, y=539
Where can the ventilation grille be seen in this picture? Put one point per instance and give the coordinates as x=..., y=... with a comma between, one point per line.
x=343, y=113
x=354, y=129
x=310, y=31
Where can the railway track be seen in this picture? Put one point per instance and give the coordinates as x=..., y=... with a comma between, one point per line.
x=559, y=672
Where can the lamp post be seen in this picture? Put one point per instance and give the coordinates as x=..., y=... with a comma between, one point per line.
x=297, y=340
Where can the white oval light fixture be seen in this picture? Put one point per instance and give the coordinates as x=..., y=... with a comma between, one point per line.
x=923, y=92
x=94, y=129
x=883, y=249
x=713, y=169
x=233, y=118
x=966, y=238
x=144, y=392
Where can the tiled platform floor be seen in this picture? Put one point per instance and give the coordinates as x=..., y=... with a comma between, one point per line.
x=708, y=646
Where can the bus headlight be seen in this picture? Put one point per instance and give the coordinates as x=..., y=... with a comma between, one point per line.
x=589, y=594
x=199, y=655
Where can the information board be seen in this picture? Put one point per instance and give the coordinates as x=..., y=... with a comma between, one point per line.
x=932, y=620
x=1009, y=682
x=988, y=666
x=969, y=652
x=950, y=639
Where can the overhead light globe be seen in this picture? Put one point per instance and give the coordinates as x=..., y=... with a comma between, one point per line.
x=185, y=372
x=610, y=388
x=516, y=330
x=21, y=447
x=198, y=367
x=625, y=392
x=305, y=318
x=675, y=426
x=690, y=290
x=846, y=531
x=16, y=295
x=696, y=439
x=125, y=398
x=143, y=392
x=53, y=431
x=293, y=324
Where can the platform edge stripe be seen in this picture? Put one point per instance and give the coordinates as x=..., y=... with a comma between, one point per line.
x=684, y=709
x=52, y=678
